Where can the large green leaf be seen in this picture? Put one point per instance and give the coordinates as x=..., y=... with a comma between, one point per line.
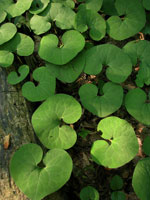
x=136, y=105
x=6, y=58
x=47, y=124
x=22, y=44
x=13, y=77
x=69, y=72
x=44, y=89
x=63, y=16
x=141, y=179
x=104, y=105
x=7, y=32
x=124, y=145
x=120, y=66
x=139, y=51
x=35, y=181
x=38, y=6
x=130, y=20
x=89, y=193
x=72, y=43
x=89, y=19
x=94, y=5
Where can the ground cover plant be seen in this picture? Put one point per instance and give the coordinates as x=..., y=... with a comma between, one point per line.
x=85, y=67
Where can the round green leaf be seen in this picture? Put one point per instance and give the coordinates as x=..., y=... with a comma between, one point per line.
x=146, y=4
x=89, y=193
x=69, y=3
x=104, y=105
x=22, y=44
x=38, y=6
x=120, y=66
x=138, y=51
x=118, y=195
x=43, y=90
x=141, y=179
x=72, y=43
x=7, y=32
x=6, y=58
x=89, y=19
x=94, y=5
x=37, y=182
x=146, y=145
x=136, y=105
x=130, y=20
x=116, y=183
x=13, y=77
x=69, y=72
x=18, y=8
x=124, y=145
x=46, y=121
x=59, y=13
x=40, y=24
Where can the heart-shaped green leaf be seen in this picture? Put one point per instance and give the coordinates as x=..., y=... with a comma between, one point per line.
x=13, y=77
x=136, y=105
x=141, y=179
x=120, y=66
x=89, y=19
x=94, y=5
x=6, y=58
x=46, y=121
x=89, y=193
x=124, y=145
x=59, y=13
x=146, y=4
x=116, y=183
x=35, y=181
x=72, y=43
x=70, y=72
x=104, y=105
x=146, y=145
x=7, y=32
x=44, y=89
x=22, y=44
x=69, y=3
x=38, y=6
x=16, y=9
x=130, y=20
x=118, y=195
x=139, y=51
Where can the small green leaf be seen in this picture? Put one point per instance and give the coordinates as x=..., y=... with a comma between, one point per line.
x=118, y=195
x=136, y=105
x=47, y=124
x=116, y=183
x=139, y=51
x=7, y=32
x=101, y=106
x=69, y=3
x=59, y=13
x=6, y=58
x=124, y=145
x=89, y=19
x=89, y=193
x=13, y=78
x=141, y=179
x=130, y=20
x=3, y=15
x=94, y=5
x=69, y=72
x=119, y=64
x=72, y=43
x=43, y=90
x=37, y=182
x=38, y=6
x=84, y=132
x=146, y=145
